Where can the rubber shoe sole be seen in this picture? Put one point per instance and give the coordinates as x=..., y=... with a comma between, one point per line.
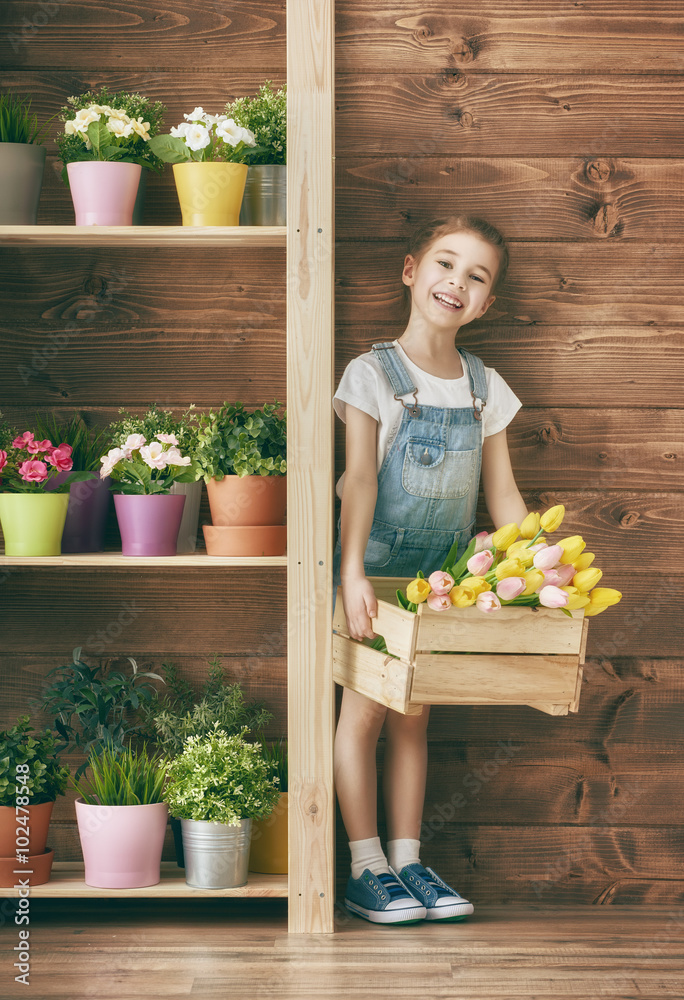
x=409, y=915
x=455, y=911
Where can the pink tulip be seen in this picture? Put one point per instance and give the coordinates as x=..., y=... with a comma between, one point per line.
x=441, y=583
x=438, y=602
x=552, y=578
x=480, y=562
x=60, y=457
x=510, y=587
x=488, y=602
x=3, y=460
x=33, y=471
x=553, y=597
x=548, y=558
x=483, y=540
x=23, y=441
x=565, y=574
x=34, y=447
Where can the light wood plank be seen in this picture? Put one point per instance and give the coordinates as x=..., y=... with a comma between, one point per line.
x=382, y=678
x=143, y=236
x=110, y=560
x=310, y=487
x=394, y=623
x=478, y=679
x=511, y=630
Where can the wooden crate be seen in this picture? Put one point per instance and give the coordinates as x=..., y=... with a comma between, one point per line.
x=515, y=656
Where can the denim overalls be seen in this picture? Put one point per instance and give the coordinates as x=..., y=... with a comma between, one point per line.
x=428, y=483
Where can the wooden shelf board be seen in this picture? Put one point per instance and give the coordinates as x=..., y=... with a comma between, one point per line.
x=66, y=881
x=91, y=560
x=131, y=236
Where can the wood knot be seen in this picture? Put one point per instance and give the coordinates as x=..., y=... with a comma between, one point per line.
x=550, y=434
x=606, y=221
x=602, y=456
x=598, y=171
x=313, y=809
x=94, y=286
x=465, y=119
x=670, y=456
x=423, y=33
x=463, y=50
x=629, y=518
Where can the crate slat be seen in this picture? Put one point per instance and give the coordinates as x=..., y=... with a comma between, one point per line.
x=509, y=630
x=455, y=679
x=376, y=675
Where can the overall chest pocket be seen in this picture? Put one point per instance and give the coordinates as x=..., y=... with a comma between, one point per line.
x=431, y=471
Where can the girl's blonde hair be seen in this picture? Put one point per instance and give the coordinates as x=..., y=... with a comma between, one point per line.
x=423, y=238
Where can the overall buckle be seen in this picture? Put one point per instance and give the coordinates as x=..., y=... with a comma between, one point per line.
x=476, y=400
x=414, y=410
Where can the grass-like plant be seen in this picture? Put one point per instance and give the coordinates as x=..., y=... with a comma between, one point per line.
x=17, y=124
x=45, y=777
x=87, y=444
x=275, y=755
x=128, y=778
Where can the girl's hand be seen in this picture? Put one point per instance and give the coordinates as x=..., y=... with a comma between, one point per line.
x=360, y=605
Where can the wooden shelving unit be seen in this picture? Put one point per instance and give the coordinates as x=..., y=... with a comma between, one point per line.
x=309, y=243
x=66, y=881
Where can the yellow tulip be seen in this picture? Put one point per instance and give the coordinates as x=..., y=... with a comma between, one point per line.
x=576, y=600
x=504, y=537
x=418, y=590
x=462, y=596
x=534, y=578
x=477, y=584
x=604, y=597
x=521, y=553
x=584, y=561
x=591, y=611
x=530, y=526
x=586, y=579
x=552, y=519
x=572, y=546
x=509, y=567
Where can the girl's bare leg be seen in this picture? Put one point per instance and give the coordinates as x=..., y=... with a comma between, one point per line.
x=356, y=738
x=405, y=773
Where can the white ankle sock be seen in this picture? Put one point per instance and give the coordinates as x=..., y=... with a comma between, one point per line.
x=367, y=854
x=403, y=852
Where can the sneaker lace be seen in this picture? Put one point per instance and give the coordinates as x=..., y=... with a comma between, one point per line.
x=440, y=890
x=394, y=888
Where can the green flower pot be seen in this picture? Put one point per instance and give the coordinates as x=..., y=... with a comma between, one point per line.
x=32, y=523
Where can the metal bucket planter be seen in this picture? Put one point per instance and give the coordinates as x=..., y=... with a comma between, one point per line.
x=216, y=854
x=264, y=202
x=21, y=179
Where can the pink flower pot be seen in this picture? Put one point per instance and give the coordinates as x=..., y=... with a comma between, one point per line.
x=103, y=193
x=149, y=524
x=122, y=845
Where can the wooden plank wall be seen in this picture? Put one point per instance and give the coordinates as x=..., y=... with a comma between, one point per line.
x=562, y=124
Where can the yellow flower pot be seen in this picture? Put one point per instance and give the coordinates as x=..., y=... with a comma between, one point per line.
x=32, y=523
x=210, y=194
x=268, y=850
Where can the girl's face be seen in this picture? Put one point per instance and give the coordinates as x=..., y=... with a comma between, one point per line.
x=451, y=283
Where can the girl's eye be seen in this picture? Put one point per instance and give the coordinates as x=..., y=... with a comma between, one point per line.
x=477, y=277
x=445, y=263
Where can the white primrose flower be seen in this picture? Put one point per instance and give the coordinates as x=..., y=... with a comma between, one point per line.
x=197, y=137
x=174, y=457
x=84, y=117
x=118, y=114
x=197, y=113
x=153, y=455
x=141, y=128
x=134, y=441
x=102, y=109
x=167, y=438
x=180, y=131
x=232, y=133
x=215, y=119
x=111, y=459
x=120, y=129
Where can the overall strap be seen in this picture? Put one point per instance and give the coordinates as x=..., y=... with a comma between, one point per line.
x=478, y=381
x=397, y=375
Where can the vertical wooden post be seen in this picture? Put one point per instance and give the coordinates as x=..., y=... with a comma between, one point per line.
x=310, y=245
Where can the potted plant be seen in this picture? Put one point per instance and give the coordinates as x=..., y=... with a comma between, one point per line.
x=104, y=148
x=185, y=429
x=88, y=501
x=22, y=161
x=207, y=153
x=264, y=202
x=243, y=459
x=95, y=708
x=144, y=471
x=217, y=786
x=169, y=719
x=33, y=496
x=122, y=819
x=268, y=850
x=31, y=778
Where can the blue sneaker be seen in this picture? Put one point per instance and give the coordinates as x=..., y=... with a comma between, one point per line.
x=440, y=900
x=382, y=899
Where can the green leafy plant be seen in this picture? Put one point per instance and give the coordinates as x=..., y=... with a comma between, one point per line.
x=172, y=718
x=235, y=441
x=126, y=778
x=88, y=122
x=87, y=444
x=46, y=778
x=7, y=433
x=275, y=755
x=95, y=707
x=221, y=779
x=266, y=116
x=17, y=124
x=158, y=421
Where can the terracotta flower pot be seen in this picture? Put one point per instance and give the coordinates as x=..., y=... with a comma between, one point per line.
x=247, y=500
x=245, y=540
x=38, y=823
x=37, y=869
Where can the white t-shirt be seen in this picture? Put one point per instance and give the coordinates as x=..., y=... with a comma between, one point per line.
x=365, y=385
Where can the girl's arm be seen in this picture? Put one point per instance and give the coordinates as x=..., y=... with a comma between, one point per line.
x=502, y=496
x=359, y=496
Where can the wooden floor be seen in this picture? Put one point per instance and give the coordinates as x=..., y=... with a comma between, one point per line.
x=240, y=949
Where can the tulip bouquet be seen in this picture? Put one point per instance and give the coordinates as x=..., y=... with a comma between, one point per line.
x=139, y=467
x=29, y=465
x=516, y=566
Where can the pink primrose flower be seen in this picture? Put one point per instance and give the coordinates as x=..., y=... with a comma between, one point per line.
x=111, y=459
x=133, y=442
x=153, y=455
x=35, y=447
x=441, y=583
x=61, y=458
x=167, y=438
x=3, y=460
x=33, y=471
x=23, y=441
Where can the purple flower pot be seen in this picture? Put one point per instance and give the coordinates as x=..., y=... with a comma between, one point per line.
x=149, y=524
x=86, y=514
